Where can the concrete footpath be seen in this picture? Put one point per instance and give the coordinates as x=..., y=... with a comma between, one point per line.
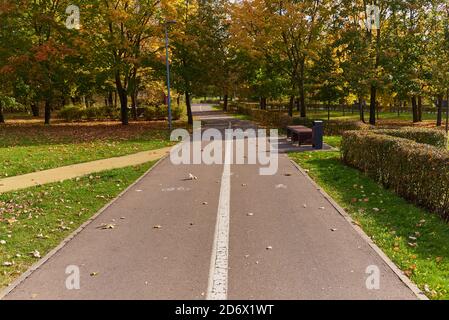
x=78, y=170
x=230, y=234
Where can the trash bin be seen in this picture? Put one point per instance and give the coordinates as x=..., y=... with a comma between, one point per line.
x=317, y=134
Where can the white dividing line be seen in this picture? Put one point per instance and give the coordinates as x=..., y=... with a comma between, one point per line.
x=218, y=274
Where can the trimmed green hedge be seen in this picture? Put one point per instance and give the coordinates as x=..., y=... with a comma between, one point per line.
x=161, y=113
x=437, y=138
x=71, y=113
x=418, y=172
x=77, y=113
x=273, y=118
x=334, y=127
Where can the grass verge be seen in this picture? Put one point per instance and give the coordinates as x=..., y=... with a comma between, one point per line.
x=22, y=152
x=414, y=239
x=35, y=220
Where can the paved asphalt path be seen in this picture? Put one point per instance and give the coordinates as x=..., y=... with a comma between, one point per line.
x=230, y=234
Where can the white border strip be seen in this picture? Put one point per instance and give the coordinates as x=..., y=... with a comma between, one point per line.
x=218, y=274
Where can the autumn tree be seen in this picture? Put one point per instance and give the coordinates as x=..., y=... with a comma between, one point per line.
x=122, y=33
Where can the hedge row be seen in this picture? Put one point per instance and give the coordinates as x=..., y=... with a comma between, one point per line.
x=418, y=172
x=77, y=113
x=437, y=138
x=266, y=117
x=161, y=113
x=334, y=127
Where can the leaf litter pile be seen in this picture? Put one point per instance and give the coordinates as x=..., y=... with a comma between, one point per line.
x=35, y=220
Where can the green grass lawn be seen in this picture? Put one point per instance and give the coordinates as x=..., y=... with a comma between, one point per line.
x=334, y=141
x=25, y=149
x=417, y=241
x=39, y=218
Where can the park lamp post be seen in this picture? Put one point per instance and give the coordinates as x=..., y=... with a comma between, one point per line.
x=166, y=24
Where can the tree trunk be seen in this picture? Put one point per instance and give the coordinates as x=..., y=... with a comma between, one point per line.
x=2, y=118
x=35, y=109
x=372, y=106
x=439, y=110
x=290, y=106
x=189, y=109
x=47, y=115
x=263, y=103
x=419, y=108
x=123, y=96
x=134, y=105
x=362, y=111
x=110, y=99
x=225, y=102
x=414, y=109
x=123, y=106
x=302, y=97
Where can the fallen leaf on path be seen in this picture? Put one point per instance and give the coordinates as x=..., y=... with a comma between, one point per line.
x=93, y=274
x=107, y=226
x=192, y=177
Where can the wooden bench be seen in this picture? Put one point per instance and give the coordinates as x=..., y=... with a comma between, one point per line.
x=301, y=134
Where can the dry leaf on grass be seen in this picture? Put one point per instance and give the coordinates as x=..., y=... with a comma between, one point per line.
x=35, y=254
